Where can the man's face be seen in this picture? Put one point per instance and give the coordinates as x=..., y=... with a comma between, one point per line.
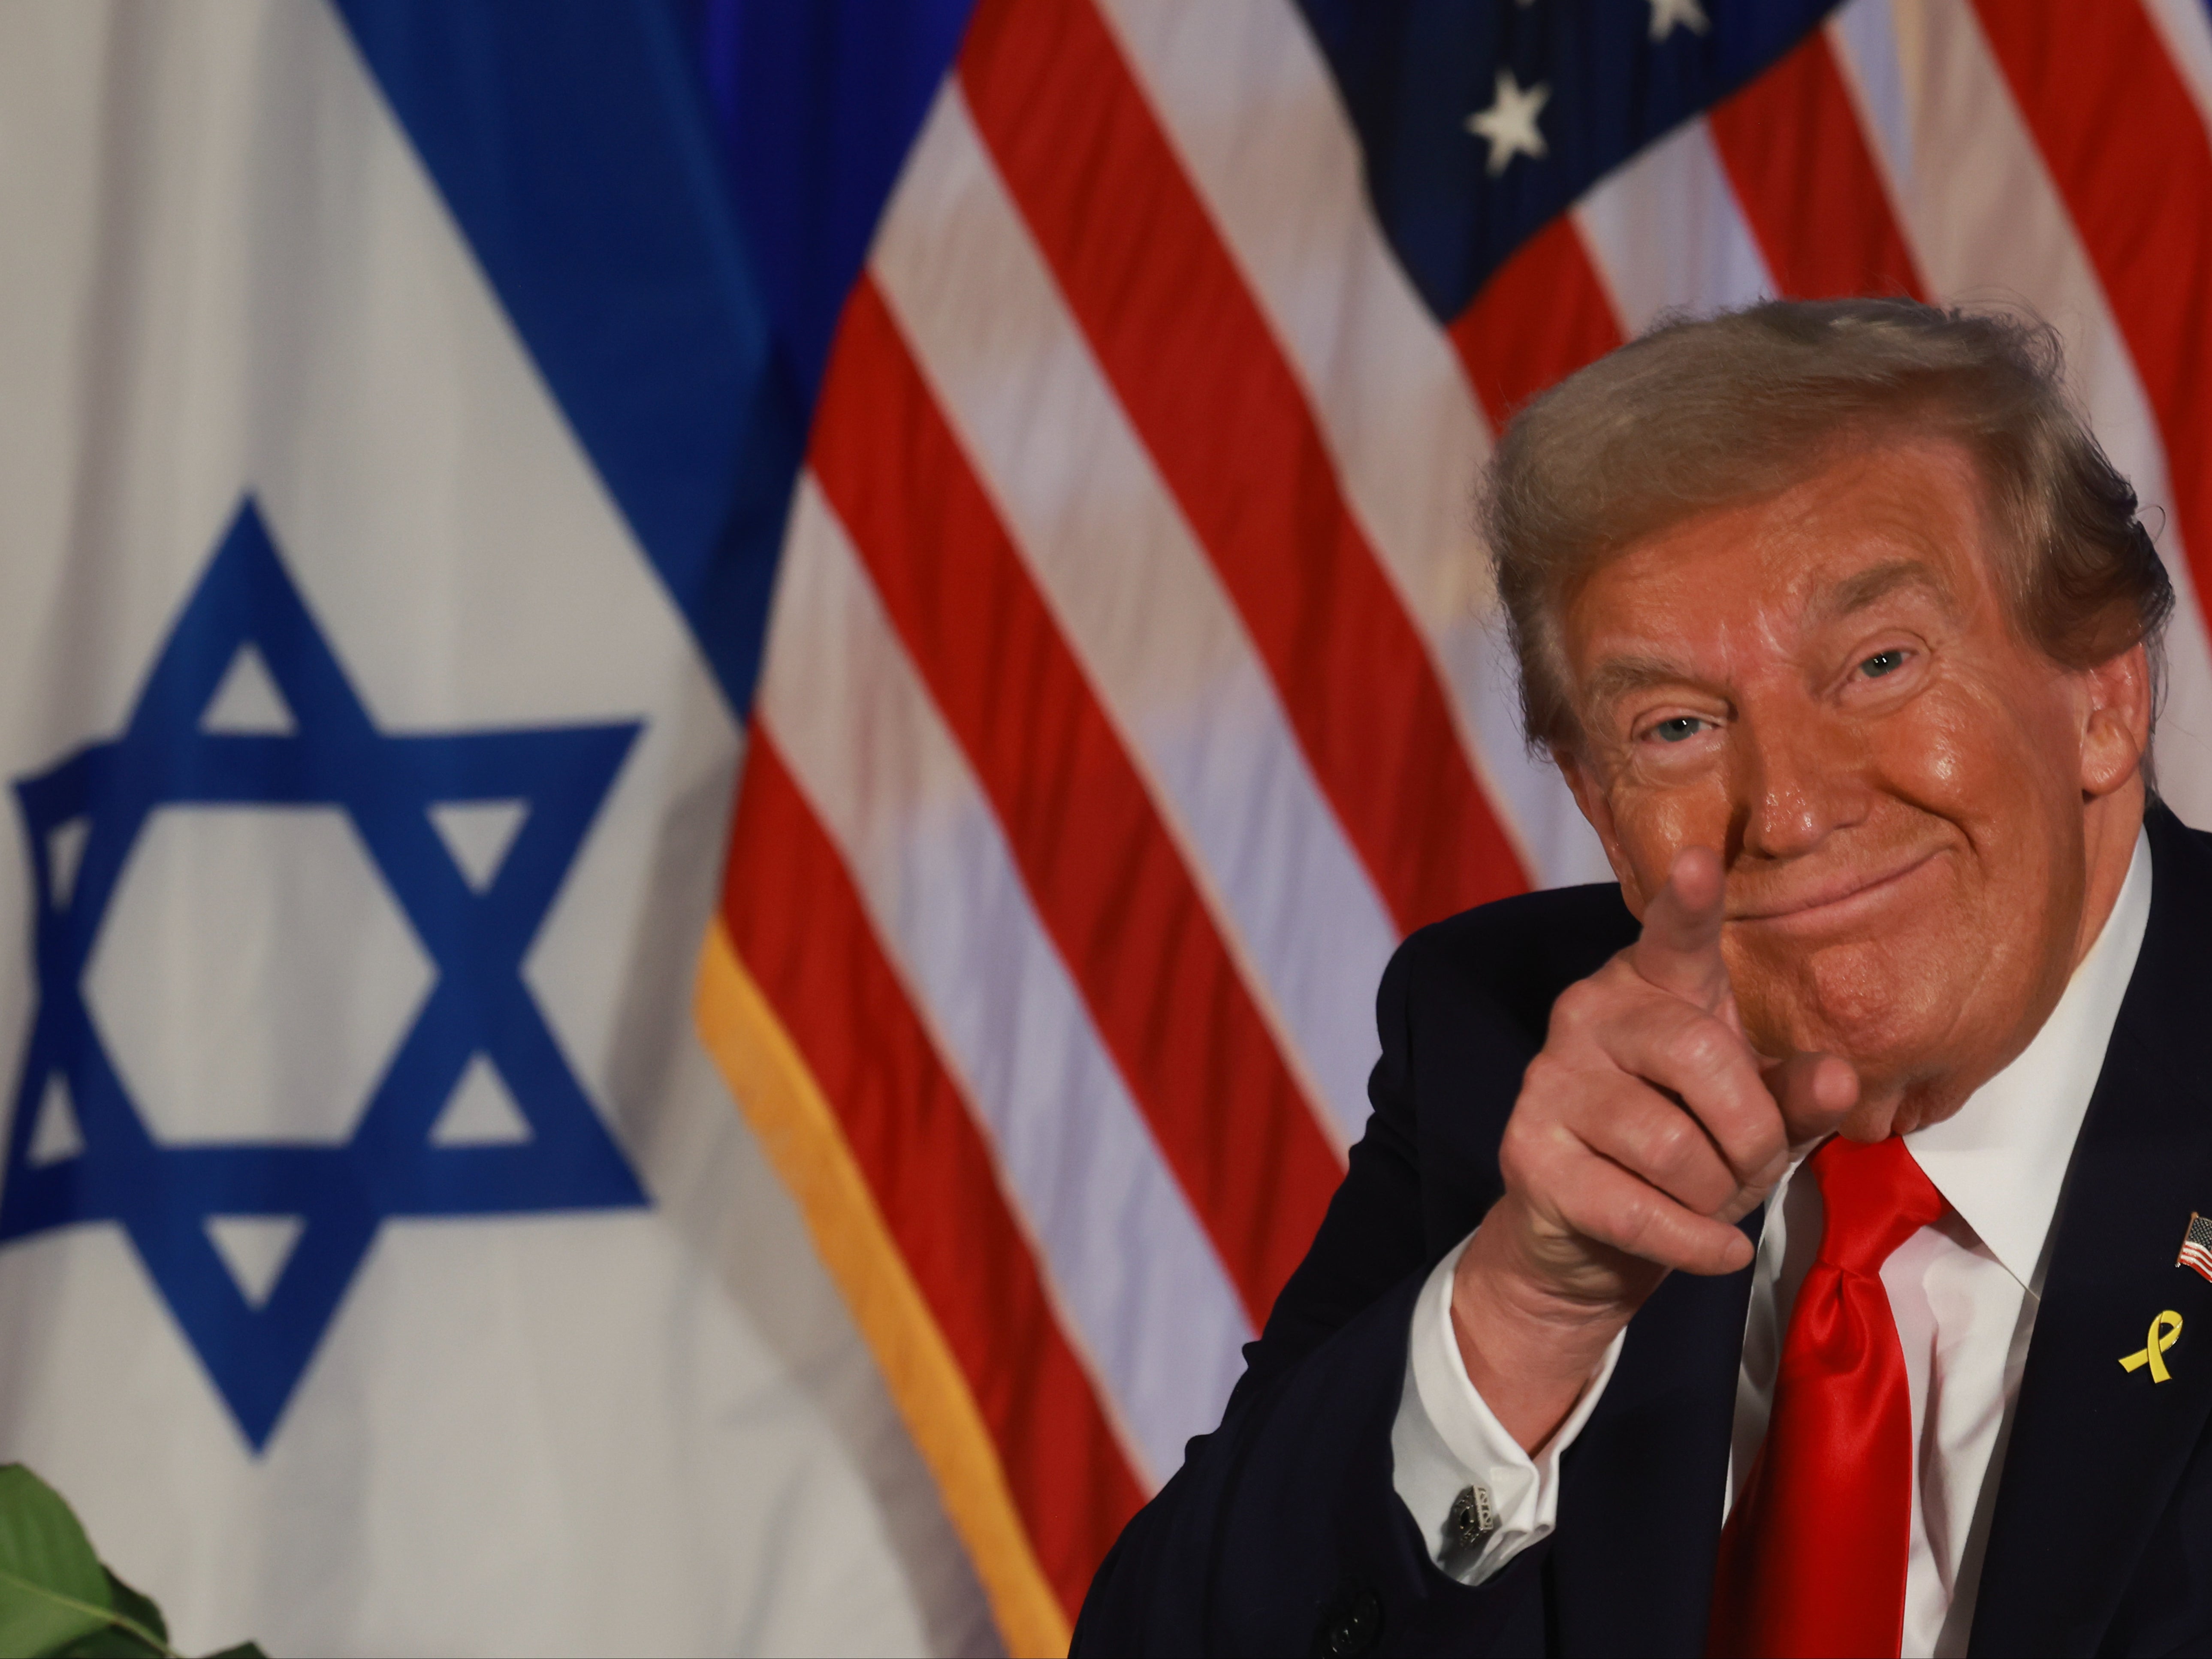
x=1911, y=800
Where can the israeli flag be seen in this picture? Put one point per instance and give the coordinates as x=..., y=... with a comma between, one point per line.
x=383, y=1266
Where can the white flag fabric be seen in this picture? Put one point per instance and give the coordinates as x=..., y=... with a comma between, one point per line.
x=383, y=1266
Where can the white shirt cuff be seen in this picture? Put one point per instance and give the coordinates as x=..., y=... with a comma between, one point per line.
x=1445, y=1440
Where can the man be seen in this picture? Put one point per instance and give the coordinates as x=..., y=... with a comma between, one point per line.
x=1778, y=1252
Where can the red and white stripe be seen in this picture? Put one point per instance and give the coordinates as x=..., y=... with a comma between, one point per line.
x=1133, y=682
x=866, y=748
x=1267, y=151
x=1140, y=605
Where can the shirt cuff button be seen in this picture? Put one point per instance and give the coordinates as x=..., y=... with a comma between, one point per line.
x=1471, y=1518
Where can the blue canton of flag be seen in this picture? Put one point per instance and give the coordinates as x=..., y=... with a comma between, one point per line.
x=1480, y=125
x=84, y=818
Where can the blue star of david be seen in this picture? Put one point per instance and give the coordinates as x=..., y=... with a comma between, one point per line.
x=164, y=1196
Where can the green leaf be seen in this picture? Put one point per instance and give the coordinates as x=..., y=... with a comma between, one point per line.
x=35, y=1622
x=57, y=1601
x=112, y=1642
x=52, y=1588
x=134, y=1607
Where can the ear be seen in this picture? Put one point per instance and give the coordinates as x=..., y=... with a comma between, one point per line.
x=1589, y=791
x=2116, y=710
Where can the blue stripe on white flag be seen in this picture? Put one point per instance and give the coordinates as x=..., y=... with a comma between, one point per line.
x=571, y=144
x=591, y=153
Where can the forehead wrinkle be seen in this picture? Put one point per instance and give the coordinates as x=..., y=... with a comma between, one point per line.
x=1786, y=539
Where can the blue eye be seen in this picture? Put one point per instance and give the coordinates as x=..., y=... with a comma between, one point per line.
x=1882, y=662
x=1679, y=729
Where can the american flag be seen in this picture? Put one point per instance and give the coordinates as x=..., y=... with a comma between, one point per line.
x=2196, y=1246
x=1133, y=683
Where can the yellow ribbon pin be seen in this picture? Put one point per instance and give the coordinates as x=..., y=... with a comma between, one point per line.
x=2164, y=1331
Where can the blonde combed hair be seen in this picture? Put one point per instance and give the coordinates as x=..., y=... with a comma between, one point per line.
x=1708, y=412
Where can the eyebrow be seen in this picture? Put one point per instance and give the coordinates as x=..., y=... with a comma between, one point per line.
x=1875, y=583
x=1618, y=675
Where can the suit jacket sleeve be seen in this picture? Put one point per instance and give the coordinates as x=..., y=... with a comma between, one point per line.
x=1282, y=1532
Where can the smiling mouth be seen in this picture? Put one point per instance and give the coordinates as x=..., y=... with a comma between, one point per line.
x=1838, y=897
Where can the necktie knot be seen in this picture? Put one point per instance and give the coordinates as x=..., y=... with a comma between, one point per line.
x=1876, y=1197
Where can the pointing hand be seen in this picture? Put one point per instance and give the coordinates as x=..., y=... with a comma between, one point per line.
x=1646, y=1128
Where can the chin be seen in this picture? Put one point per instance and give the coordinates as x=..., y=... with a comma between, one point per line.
x=1870, y=1002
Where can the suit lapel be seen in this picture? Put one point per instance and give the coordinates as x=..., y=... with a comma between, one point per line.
x=2096, y=1449
x=1643, y=1482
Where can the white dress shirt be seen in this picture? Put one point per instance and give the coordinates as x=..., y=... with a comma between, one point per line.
x=1964, y=1292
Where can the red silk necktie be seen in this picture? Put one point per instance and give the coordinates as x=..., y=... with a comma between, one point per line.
x=1812, y=1560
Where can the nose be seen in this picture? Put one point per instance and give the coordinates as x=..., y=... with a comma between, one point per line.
x=1800, y=777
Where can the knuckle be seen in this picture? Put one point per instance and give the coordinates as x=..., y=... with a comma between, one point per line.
x=1766, y=1142
x=1513, y=1166
x=1515, y=1151
x=1693, y=1047
x=1526, y=1152
x=1545, y=1080
x=1638, y=1225
x=1672, y=1141
x=1574, y=1007
x=1702, y=1047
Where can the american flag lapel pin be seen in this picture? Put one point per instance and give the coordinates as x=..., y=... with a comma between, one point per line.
x=2196, y=1246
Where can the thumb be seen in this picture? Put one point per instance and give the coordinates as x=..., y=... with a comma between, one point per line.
x=1815, y=1092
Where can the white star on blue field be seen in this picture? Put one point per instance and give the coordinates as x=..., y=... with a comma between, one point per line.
x=165, y=1196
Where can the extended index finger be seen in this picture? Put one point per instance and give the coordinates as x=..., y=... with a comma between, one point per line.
x=1679, y=949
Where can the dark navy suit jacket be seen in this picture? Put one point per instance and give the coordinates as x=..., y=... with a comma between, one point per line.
x=1282, y=1532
